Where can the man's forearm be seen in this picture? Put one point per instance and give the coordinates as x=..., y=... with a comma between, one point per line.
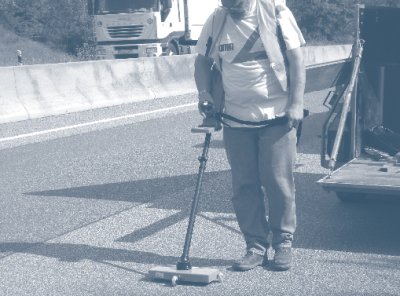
x=202, y=69
x=297, y=74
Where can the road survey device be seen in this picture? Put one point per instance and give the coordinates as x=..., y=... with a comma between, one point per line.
x=183, y=270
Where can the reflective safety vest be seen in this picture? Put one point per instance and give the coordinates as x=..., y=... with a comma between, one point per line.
x=275, y=21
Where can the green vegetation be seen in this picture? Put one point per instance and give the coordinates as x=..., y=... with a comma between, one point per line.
x=330, y=21
x=63, y=27
x=33, y=52
x=60, y=23
x=60, y=30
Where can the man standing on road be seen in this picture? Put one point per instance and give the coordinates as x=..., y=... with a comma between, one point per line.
x=260, y=151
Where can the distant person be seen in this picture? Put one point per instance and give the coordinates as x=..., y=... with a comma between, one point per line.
x=19, y=57
x=261, y=150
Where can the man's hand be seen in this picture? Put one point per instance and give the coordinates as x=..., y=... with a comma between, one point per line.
x=204, y=96
x=295, y=115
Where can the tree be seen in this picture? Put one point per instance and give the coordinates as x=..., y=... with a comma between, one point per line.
x=61, y=23
x=331, y=20
x=68, y=24
x=325, y=20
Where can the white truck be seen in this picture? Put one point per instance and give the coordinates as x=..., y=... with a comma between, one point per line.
x=145, y=28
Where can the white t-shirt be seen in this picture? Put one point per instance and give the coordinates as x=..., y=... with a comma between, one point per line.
x=252, y=91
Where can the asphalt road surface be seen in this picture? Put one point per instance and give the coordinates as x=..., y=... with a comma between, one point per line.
x=90, y=201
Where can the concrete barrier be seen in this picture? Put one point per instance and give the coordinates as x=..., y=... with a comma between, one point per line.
x=28, y=92
x=41, y=90
x=11, y=108
x=314, y=55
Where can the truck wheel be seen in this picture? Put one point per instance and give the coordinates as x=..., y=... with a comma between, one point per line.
x=172, y=48
x=350, y=196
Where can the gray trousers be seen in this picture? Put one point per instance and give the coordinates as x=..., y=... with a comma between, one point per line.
x=263, y=158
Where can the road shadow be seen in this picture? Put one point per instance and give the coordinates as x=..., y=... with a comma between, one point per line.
x=311, y=134
x=179, y=191
x=324, y=222
x=78, y=252
x=214, y=144
x=327, y=223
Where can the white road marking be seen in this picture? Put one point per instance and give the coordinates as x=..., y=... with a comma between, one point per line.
x=106, y=120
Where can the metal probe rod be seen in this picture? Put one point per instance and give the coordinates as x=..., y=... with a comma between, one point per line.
x=346, y=104
x=184, y=263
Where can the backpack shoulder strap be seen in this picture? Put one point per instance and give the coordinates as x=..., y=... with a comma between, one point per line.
x=219, y=19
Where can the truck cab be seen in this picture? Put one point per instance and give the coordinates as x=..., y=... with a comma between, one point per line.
x=368, y=159
x=145, y=28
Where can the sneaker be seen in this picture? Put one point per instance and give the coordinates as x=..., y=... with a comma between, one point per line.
x=249, y=261
x=282, y=258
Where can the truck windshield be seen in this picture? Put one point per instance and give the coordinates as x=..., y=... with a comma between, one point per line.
x=120, y=6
